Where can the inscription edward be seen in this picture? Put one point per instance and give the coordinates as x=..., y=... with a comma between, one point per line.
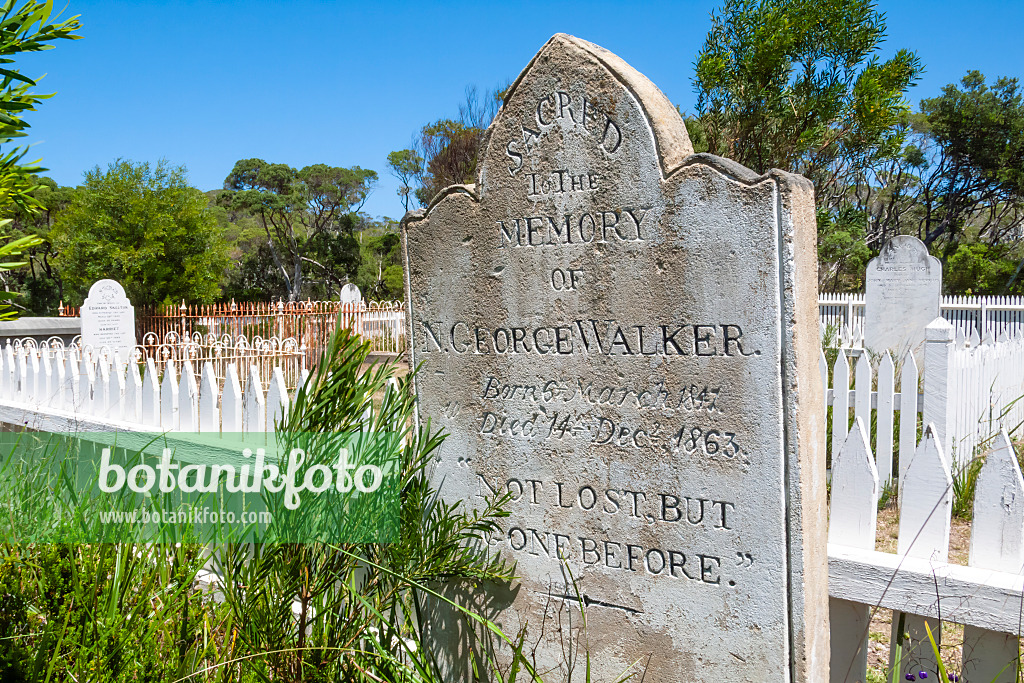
x=617, y=341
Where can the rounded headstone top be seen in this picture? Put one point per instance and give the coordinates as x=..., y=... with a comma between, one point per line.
x=106, y=291
x=350, y=294
x=905, y=249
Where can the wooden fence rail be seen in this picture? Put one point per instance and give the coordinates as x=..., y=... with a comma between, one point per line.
x=49, y=387
x=917, y=582
x=968, y=315
x=967, y=392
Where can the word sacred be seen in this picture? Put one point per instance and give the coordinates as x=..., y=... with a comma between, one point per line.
x=607, y=338
x=560, y=107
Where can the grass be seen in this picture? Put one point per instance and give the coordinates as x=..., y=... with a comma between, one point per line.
x=279, y=612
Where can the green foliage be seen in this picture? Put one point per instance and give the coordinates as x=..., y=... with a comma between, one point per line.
x=888, y=494
x=959, y=185
x=40, y=283
x=451, y=149
x=797, y=85
x=842, y=252
x=145, y=227
x=979, y=164
x=695, y=131
x=102, y=612
x=24, y=27
x=446, y=151
x=308, y=224
x=965, y=482
x=380, y=273
x=982, y=269
x=407, y=166
x=311, y=612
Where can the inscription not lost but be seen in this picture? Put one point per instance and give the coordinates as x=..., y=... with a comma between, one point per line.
x=619, y=335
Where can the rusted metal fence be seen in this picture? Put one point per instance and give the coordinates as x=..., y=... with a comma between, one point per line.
x=310, y=323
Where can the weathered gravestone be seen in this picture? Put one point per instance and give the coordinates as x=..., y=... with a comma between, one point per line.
x=903, y=293
x=350, y=294
x=108, y=318
x=624, y=336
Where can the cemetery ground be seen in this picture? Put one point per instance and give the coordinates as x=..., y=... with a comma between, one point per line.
x=881, y=622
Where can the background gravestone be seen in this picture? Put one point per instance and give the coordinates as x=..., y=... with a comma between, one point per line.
x=108, y=319
x=903, y=293
x=350, y=294
x=624, y=336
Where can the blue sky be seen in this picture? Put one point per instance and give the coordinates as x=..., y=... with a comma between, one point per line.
x=204, y=84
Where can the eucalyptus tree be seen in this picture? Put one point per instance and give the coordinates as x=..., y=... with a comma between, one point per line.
x=304, y=213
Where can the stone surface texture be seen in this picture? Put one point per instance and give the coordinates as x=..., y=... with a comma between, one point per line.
x=903, y=293
x=108, y=319
x=623, y=336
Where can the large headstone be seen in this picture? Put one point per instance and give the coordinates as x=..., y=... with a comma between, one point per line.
x=624, y=336
x=903, y=293
x=108, y=318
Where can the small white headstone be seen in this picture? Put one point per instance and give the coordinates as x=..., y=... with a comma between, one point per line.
x=350, y=294
x=903, y=293
x=108, y=318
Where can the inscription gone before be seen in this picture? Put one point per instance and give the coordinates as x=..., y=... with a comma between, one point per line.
x=607, y=329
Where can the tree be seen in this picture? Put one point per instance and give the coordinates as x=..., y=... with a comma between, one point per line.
x=40, y=282
x=380, y=275
x=407, y=166
x=144, y=227
x=796, y=85
x=304, y=214
x=446, y=151
x=964, y=168
x=23, y=28
x=958, y=184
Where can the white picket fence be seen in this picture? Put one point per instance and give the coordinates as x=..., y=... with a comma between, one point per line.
x=918, y=582
x=980, y=315
x=966, y=396
x=73, y=389
x=968, y=392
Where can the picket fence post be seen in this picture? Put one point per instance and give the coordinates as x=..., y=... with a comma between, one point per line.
x=840, y=401
x=924, y=533
x=169, y=399
x=938, y=366
x=188, y=399
x=231, y=401
x=151, y=396
x=209, y=416
x=997, y=543
x=852, y=522
x=254, y=406
x=277, y=399
x=886, y=405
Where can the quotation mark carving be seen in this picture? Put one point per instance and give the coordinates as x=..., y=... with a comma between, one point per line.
x=744, y=559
